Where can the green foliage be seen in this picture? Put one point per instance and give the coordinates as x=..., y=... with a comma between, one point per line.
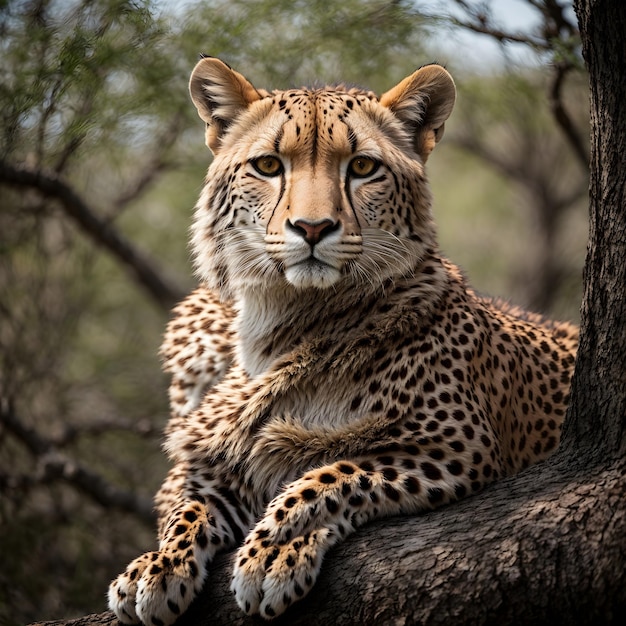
x=282, y=43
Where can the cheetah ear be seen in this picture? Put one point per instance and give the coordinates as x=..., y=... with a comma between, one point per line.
x=220, y=95
x=423, y=101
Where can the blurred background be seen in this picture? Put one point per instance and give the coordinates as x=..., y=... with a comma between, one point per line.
x=101, y=161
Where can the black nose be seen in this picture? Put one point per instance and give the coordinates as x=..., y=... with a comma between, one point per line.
x=313, y=232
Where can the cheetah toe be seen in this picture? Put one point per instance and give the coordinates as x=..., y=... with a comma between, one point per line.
x=123, y=590
x=268, y=579
x=165, y=590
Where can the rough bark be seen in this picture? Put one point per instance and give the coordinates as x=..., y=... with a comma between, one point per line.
x=547, y=546
x=597, y=419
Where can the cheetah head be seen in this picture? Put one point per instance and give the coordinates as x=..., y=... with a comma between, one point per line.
x=313, y=188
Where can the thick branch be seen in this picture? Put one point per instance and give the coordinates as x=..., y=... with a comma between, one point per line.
x=524, y=552
x=100, y=231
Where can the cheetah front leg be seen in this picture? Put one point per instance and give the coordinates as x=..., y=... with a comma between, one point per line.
x=158, y=586
x=281, y=558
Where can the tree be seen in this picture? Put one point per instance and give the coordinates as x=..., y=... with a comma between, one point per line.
x=547, y=546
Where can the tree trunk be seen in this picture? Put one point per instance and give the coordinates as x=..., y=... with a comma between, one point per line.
x=549, y=545
x=596, y=422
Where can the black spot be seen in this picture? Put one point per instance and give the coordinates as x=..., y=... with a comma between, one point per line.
x=389, y=473
x=290, y=502
x=437, y=454
x=156, y=621
x=431, y=471
x=392, y=413
x=308, y=494
x=356, y=402
x=327, y=478
x=411, y=484
x=455, y=468
x=173, y=607
x=435, y=495
x=365, y=483
x=346, y=469
x=390, y=492
x=190, y=516
x=155, y=569
x=271, y=558
x=385, y=460
x=331, y=505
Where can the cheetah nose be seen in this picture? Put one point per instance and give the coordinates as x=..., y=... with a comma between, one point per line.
x=313, y=232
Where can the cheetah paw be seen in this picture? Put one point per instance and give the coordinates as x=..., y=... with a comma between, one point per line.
x=153, y=590
x=267, y=579
x=123, y=590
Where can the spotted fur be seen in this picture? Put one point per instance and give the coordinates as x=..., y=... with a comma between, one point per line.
x=334, y=368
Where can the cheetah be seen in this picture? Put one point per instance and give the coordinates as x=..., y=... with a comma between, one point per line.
x=334, y=367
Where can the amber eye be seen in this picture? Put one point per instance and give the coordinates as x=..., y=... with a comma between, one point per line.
x=268, y=165
x=362, y=166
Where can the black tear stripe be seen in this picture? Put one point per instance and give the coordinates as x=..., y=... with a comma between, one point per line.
x=350, y=201
x=281, y=193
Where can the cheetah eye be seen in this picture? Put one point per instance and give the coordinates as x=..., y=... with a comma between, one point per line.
x=362, y=166
x=268, y=166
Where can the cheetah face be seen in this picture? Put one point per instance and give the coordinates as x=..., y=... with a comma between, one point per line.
x=309, y=188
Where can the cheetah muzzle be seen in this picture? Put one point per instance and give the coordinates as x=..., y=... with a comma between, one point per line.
x=333, y=368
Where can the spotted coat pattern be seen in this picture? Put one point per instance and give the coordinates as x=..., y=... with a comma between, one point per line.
x=334, y=367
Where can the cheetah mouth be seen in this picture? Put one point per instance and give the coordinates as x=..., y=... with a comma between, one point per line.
x=312, y=272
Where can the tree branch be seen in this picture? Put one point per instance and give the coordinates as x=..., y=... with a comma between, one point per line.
x=524, y=552
x=157, y=164
x=562, y=117
x=480, y=22
x=100, y=231
x=54, y=466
